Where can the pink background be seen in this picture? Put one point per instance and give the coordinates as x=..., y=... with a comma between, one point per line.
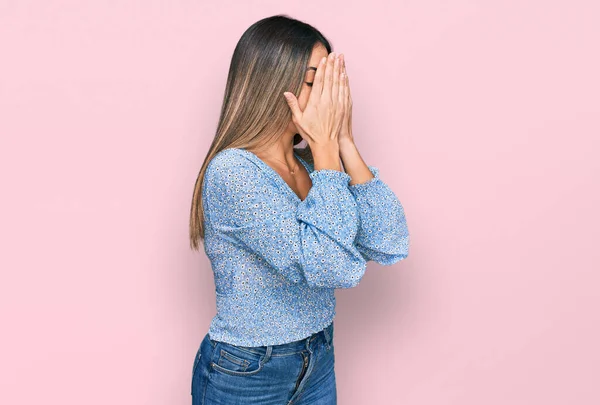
x=483, y=117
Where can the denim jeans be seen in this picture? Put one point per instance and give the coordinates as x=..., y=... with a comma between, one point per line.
x=295, y=373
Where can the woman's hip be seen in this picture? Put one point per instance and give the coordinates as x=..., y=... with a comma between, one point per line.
x=225, y=373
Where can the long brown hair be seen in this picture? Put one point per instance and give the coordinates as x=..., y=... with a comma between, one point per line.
x=270, y=58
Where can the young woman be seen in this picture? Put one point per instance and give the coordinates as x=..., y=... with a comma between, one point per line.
x=284, y=227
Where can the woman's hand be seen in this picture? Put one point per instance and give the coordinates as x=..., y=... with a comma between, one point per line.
x=346, y=129
x=321, y=121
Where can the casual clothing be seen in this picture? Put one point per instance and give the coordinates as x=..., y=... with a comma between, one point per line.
x=277, y=259
x=298, y=373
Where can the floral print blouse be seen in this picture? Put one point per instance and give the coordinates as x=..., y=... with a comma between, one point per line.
x=277, y=259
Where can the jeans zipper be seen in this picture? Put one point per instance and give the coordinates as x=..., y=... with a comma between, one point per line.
x=305, y=357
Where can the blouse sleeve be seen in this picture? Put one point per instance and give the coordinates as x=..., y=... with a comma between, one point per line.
x=313, y=243
x=382, y=234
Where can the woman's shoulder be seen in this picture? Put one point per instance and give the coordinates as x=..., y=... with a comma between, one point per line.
x=227, y=156
x=232, y=165
x=231, y=159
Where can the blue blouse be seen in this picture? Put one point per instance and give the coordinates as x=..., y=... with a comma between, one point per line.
x=277, y=259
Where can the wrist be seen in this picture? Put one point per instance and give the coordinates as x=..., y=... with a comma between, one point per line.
x=347, y=148
x=326, y=156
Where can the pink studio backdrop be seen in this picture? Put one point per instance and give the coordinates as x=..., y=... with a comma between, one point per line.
x=483, y=117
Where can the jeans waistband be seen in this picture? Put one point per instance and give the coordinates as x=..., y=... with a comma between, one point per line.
x=326, y=336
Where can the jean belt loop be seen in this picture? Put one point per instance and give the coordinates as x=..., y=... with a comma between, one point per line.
x=309, y=340
x=327, y=337
x=268, y=353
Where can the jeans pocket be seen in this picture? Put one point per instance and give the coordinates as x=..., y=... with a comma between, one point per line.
x=234, y=360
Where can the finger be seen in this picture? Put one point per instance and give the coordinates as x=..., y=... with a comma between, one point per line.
x=292, y=102
x=328, y=81
x=343, y=76
x=335, y=85
x=317, y=87
x=348, y=89
x=342, y=97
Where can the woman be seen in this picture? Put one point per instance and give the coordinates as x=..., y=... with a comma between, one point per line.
x=284, y=227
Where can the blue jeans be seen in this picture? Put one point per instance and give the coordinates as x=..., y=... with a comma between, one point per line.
x=295, y=373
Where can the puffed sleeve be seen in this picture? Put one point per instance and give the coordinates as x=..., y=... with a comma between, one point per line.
x=313, y=243
x=383, y=232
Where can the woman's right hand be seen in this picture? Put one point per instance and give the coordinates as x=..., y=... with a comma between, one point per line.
x=320, y=122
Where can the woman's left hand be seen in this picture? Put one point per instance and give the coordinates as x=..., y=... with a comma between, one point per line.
x=345, y=134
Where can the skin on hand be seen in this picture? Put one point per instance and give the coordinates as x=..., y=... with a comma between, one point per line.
x=345, y=134
x=347, y=150
x=321, y=120
x=354, y=165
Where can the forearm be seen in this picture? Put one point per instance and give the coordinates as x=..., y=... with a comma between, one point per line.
x=353, y=163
